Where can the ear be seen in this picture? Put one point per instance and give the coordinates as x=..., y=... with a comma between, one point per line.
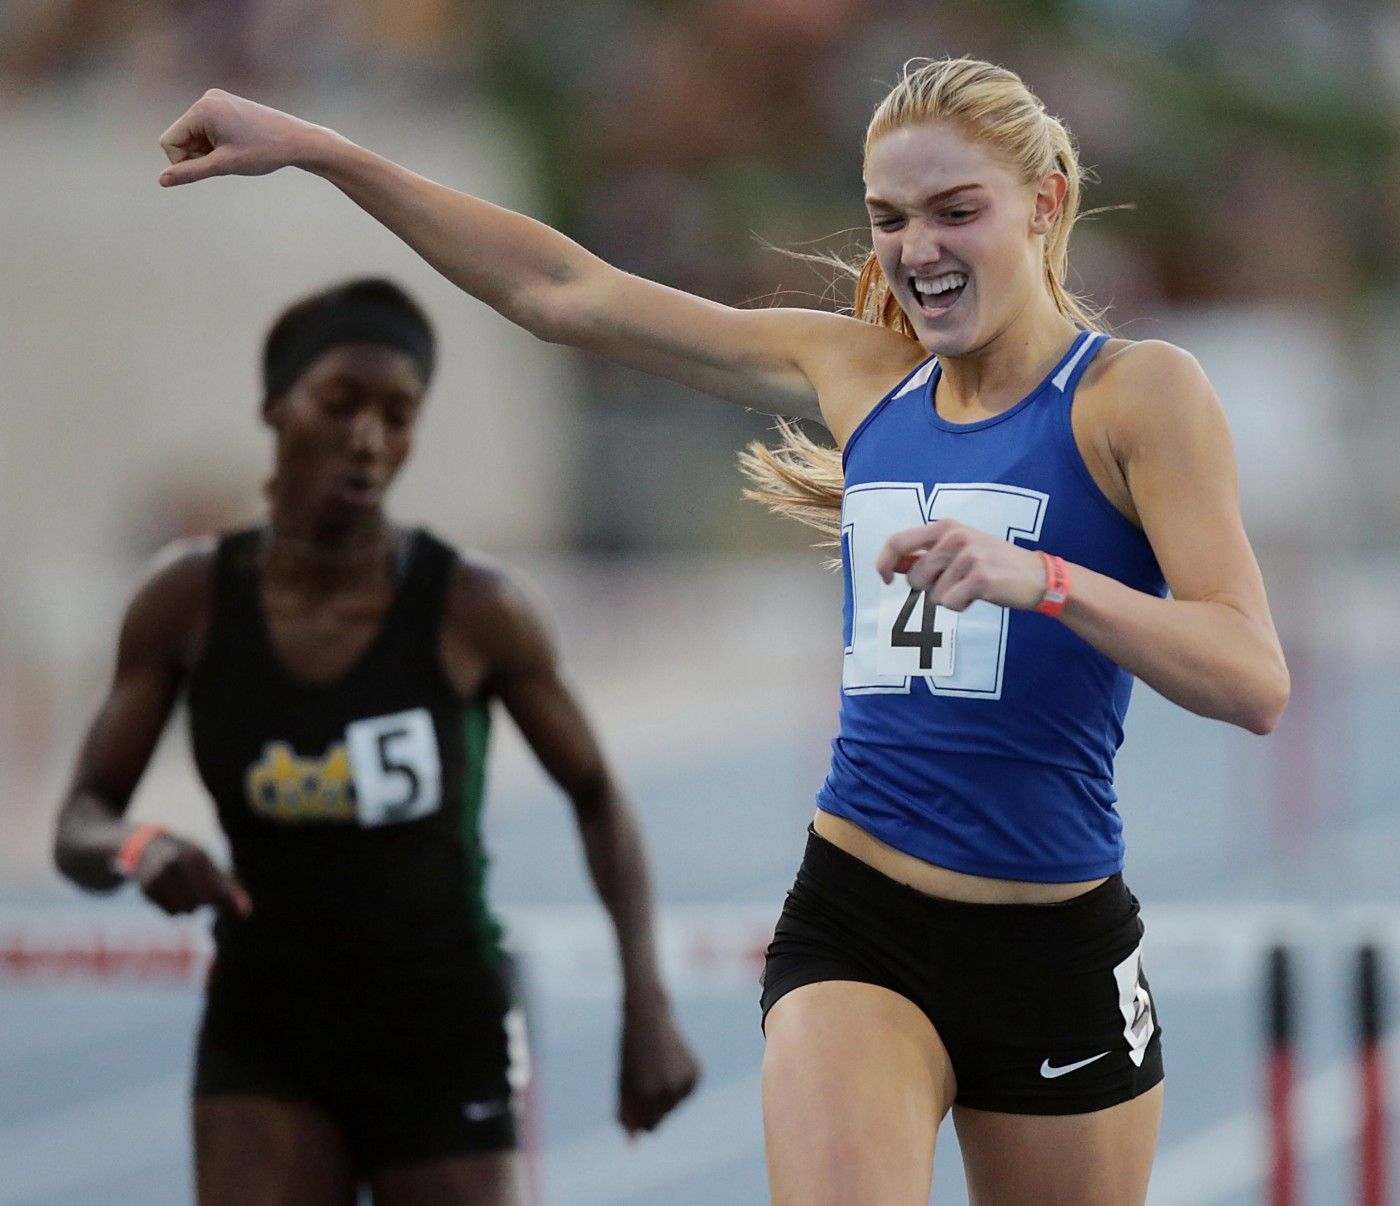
x=272, y=408
x=1049, y=200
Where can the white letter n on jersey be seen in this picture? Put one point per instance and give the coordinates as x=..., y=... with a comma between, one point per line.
x=964, y=655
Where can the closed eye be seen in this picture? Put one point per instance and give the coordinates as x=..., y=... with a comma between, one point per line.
x=338, y=407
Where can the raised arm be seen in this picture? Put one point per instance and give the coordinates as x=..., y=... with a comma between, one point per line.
x=657, y=1068
x=153, y=654
x=1211, y=647
x=800, y=363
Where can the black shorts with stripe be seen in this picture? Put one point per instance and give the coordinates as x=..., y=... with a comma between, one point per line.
x=414, y=1065
x=1043, y=1009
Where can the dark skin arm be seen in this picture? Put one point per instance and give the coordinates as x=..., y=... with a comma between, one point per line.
x=494, y=641
x=159, y=641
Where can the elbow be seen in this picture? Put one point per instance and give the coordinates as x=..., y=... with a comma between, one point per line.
x=593, y=795
x=561, y=324
x=63, y=852
x=574, y=304
x=67, y=865
x=1267, y=705
x=543, y=321
x=74, y=861
x=81, y=874
x=554, y=309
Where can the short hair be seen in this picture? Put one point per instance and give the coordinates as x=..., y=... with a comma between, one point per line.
x=363, y=310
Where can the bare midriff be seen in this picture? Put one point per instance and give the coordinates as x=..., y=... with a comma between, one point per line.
x=940, y=881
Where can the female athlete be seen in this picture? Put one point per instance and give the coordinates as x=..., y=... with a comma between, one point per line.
x=340, y=672
x=1017, y=493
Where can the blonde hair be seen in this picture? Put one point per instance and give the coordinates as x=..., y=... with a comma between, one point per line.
x=803, y=479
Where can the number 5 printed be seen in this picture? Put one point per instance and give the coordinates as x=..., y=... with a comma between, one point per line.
x=396, y=767
x=895, y=634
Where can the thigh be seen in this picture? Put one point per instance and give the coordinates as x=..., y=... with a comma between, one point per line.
x=855, y=1084
x=489, y=1179
x=1098, y=1159
x=261, y=1150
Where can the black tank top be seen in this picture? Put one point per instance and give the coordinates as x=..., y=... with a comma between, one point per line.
x=352, y=808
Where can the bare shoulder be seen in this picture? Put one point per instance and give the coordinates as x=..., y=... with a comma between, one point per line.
x=186, y=561
x=180, y=577
x=852, y=365
x=169, y=613
x=1147, y=381
x=481, y=588
x=1139, y=362
x=490, y=607
x=1147, y=397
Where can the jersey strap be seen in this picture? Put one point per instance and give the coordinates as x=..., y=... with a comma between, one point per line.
x=1067, y=378
x=421, y=601
x=916, y=377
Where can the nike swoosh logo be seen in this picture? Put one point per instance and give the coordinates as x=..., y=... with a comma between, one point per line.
x=480, y=1111
x=1050, y=1073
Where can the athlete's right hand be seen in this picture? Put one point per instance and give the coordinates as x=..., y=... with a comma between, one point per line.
x=226, y=135
x=179, y=877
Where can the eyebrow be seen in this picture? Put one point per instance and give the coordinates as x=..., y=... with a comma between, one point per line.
x=347, y=377
x=872, y=202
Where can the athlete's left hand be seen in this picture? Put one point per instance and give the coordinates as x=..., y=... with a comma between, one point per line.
x=658, y=1071
x=957, y=565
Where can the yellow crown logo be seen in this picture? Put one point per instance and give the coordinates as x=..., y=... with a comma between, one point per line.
x=284, y=787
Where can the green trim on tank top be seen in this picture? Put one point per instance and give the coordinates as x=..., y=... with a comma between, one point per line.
x=476, y=724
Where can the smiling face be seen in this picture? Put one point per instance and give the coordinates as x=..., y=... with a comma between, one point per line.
x=958, y=234
x=344, y=429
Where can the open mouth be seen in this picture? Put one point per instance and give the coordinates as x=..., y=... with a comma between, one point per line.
x=937, y=295
x=360, y=488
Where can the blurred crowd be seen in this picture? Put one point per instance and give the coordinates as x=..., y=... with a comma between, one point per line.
x=667, y=129
x=1246, y=152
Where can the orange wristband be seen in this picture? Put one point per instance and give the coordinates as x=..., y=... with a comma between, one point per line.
x=1056, y=595
x=129, y=856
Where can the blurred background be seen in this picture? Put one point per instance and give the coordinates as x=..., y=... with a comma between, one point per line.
x=1257, y=144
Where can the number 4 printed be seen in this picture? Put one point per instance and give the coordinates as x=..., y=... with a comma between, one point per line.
x=959, y=654
x=925, y=650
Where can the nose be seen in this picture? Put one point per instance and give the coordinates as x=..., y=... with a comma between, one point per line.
x=367, y=435
x=923, y=247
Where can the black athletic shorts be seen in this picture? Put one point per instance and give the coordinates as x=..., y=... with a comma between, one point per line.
x=414, y=1064
x=1043, y=1009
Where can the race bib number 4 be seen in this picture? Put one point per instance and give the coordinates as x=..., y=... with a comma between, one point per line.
x=396, y=768
x=921, y=638
x=897, y=635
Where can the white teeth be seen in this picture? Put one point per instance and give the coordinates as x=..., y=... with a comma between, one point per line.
x=939, y=284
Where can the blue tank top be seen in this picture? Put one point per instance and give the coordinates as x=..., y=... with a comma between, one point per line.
x=981, y=741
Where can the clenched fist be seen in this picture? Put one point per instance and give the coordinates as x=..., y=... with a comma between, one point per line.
x=226, y=135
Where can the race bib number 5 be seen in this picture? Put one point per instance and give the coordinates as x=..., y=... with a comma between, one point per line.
x=897, y=634
x=395, y=764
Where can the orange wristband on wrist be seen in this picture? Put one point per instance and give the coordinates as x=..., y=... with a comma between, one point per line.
x=1056, y=595
x=129, y=856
